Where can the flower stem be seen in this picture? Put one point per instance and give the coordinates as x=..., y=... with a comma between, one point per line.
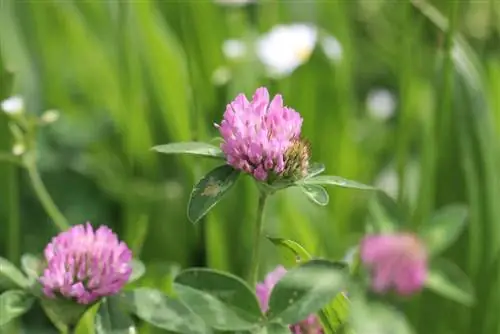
x=259, y=227
x=44, y=197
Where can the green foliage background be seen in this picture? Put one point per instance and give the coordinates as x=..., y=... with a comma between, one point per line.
x=128, y=75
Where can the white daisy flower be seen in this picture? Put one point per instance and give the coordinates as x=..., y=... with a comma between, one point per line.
x=381, y=103
x=13, y=105
x=286, y=47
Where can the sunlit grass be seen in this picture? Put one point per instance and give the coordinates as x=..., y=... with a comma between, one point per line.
x=130, y=75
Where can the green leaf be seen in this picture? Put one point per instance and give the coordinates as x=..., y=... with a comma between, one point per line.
x=316, y=193
x=63, y=311
x=222, y=300
x=138, y=270
x=13, y=304
x=377, y=318
x=305, y=290
x=32, y=266
x=448, y=280
x=391, y=209
x=10, y=276
x=155, y=308
x=210, y=190
x=192, y=148
x=336, y=181
x=335, y=315
x=314, y=169
x=444, y=227
x=387, y=215
x=275, y=186
x=216, y=140
x=270, y=328
x=111, y=318
x=273, y=328
x=299, y=253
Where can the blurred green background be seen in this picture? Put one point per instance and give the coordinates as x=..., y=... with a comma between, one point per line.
x=128, y=75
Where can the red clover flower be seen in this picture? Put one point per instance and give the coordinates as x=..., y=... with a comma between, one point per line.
x=85, y=265
x=397, y=261
x=262, y=137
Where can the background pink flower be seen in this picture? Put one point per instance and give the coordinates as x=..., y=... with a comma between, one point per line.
x=397, y=261
x=310, y=325
x=85, y=265
x=257, y=133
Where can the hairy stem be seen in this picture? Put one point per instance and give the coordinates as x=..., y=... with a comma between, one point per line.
x=259, y=227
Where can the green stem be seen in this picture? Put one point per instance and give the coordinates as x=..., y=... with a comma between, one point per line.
x=44, y=197
x=259, y=227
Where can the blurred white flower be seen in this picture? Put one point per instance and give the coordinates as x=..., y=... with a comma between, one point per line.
x=234, y=48
x=13, y=105
x=221, y=76
x=234, y=2
x=381, y=103
x=50, y=116
x=286, y=47
x=18, y=149
x=332, y=48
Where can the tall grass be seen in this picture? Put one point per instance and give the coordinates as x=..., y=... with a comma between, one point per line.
x=128, y=75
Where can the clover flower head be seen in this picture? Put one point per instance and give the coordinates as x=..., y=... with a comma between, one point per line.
x=262, y=137
x=85, y=265
x=310, y=325
x=397, y=261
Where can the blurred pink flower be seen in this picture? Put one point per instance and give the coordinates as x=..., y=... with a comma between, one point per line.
x=397, y=261
x=85, y=265
x=258, y=133
x=310, y=325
